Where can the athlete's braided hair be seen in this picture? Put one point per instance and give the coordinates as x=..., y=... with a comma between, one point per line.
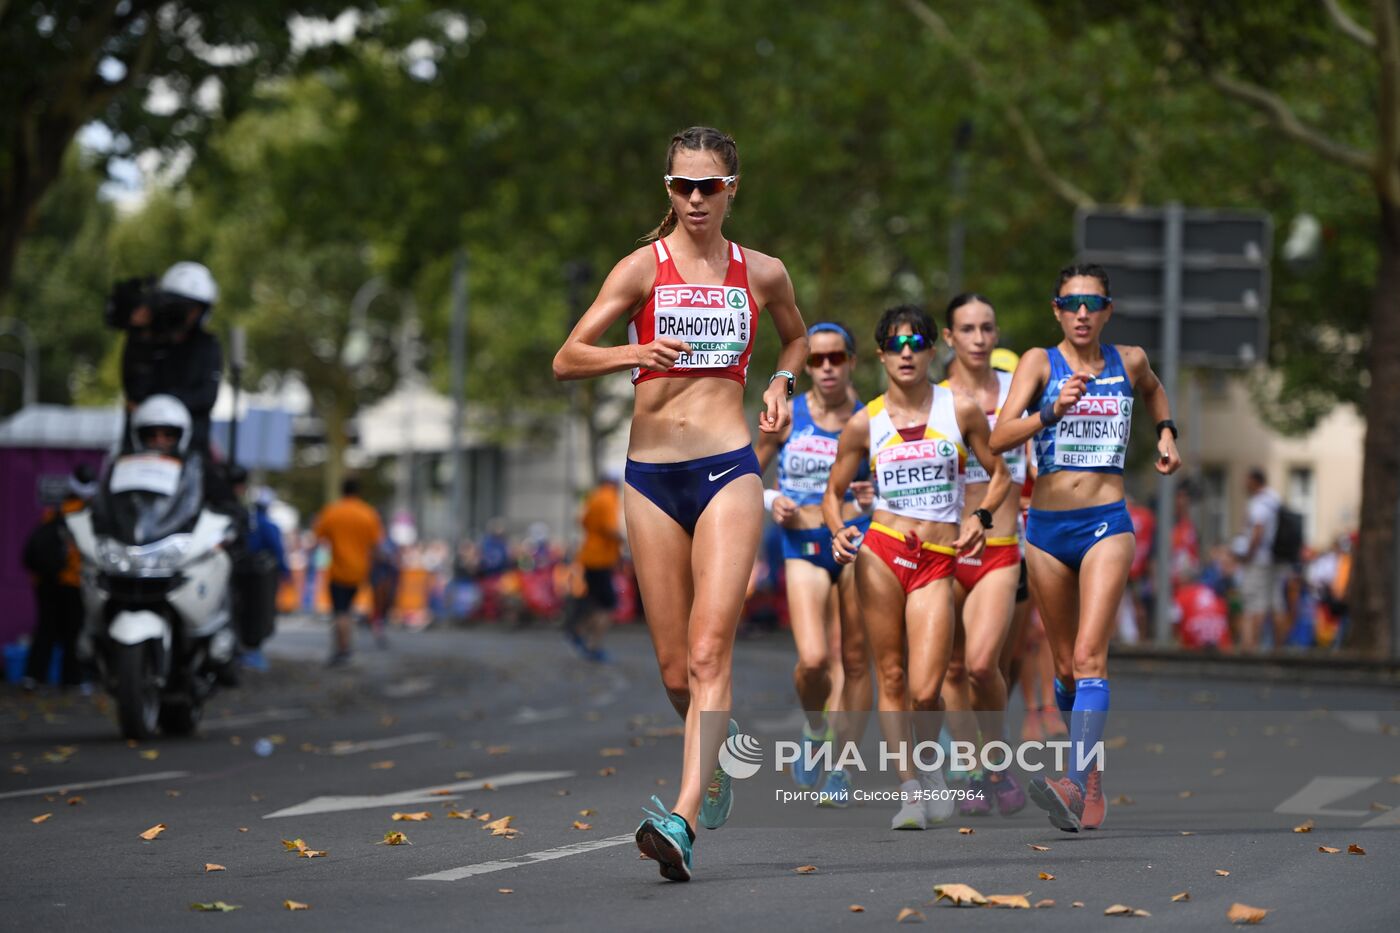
x=965, y=298
x=696, y=139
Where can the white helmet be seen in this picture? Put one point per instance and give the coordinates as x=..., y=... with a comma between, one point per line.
x=190, y=280
x=165, y=411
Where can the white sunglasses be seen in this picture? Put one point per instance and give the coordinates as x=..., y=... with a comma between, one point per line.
x=709, y=185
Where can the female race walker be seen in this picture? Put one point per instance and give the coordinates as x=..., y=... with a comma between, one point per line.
x=1079, y=537
x=984, y=586
x=916, y=437
x=694, y=499
x=805, y=456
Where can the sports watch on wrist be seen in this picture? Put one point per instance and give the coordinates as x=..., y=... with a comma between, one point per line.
x=983, y=516
x=791, y=380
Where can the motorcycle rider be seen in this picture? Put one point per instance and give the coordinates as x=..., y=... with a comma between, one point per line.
x=168, y=351
x=161, y=425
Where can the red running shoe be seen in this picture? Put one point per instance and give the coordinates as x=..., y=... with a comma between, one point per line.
x=1095, y=807
x=1062, y=800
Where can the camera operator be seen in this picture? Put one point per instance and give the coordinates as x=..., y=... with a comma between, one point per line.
x=168, y=351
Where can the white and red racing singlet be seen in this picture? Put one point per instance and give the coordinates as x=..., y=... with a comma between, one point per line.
x=716, y=320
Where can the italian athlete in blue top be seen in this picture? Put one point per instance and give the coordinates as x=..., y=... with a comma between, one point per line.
x=805, y=452
x=693, y=499
x=1079, y=395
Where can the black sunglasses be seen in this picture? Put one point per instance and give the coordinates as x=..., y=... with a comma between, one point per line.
x=713, y=184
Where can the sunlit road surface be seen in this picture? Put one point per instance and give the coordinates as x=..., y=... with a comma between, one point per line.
x=491, y=723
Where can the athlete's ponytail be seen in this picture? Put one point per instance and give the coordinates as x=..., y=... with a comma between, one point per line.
x=695, y=139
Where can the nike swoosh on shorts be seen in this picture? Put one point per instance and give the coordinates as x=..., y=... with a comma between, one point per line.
x=715, y=476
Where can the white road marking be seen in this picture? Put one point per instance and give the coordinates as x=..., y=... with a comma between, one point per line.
x=253, y=719
x=483, y=868
x=1367, y=723
x=418, y=795
x=1388, y=818
x=1314, y=799
x=109, y=782
x=374, y=745
x=528, y=715
x=413, y=686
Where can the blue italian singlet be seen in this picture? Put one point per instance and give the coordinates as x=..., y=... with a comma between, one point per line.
x=804, y=463
x=1092, y=436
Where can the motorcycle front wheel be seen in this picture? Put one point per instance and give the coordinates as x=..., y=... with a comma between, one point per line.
x=137, y=693
x=180, y=717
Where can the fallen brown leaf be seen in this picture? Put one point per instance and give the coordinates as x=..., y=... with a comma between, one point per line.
x=1118, y=741
x=381, y=765
x=805, y=869
x=459, y=815
x=580, y=824
x=1394, y=779
x=312, y=853
x=909, y=915
x=418, y=817
x=505, y=890
x=394, y=839
x=18, y=769
x=1046, y=902
x=497, y=749
x=1355, y=849
x=1222, y=873
x=172, y=793
x=1243, y=913
x=441, y=793
x=1380, y=807
x=483, y=817
x=587, y=811
x=966, y=830
x=463, y=775
x=1183, y=896
x=44, y=818
x=215, y=907
x=242, y=829
x=487, y=785
x=856, y=909
x=295, y=905
x=1187, y=832
x=210, y=866
x=1009, y=900
x=606, y=772
x=1218, y=755
x=612, y=752
x=76, y=801
x=294, y=845
x=1186, y=793
x=1035, y=848
x=153, y=832
x=1304, y=827
x=1123, y=800
x=1076, y=903
x=151, y=754
x=1046, y=876
x=1328, y=850
x=959, y=894
x=1118, y=910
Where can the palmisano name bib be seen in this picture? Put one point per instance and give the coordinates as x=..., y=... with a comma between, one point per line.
x=923, y=478
x=1093, y=435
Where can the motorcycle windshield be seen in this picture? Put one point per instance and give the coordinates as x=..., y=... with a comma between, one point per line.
x=147, y=498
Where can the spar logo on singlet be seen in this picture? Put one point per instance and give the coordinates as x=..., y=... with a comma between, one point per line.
x=1094, y=433
x=918, y=474
x=807, y=460
x=713, y=319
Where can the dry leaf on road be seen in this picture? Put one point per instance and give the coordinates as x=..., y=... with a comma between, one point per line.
x=1046, y=876
x=909, y=915
x=1222, y=873
x=606, y=772
x=856, y=909
x=587, y=811
x=394, y=839
x=1076, y=903
x=1122, y=800
x=412, y=817
x=1355, y=849
x=444, y=792
x=153, y=832
x=210, y=866
x=1328, y=850
x=580, y=824
x=497, y=749
x=76, y=801
x=312, y=853
x=805, y=869
x=612, y=752
x=1243, y=913
x=1035, y=848
x=294, y=845
x=1122, y=910
x=1183, y=896
x=44, y=818
x=459, y=815
x=1009, y=900
x=966, y=830
x=1046, y=902
x=1304, y=827
x=959, y=894
x=151, y=754
x=381, y=765
x=215, y=906
x=505, y=890
x=296, y=905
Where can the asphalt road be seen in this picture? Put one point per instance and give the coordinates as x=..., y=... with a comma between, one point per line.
x=1218, y=772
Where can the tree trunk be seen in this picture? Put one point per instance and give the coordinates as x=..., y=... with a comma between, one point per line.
x=333, y=473
x=1374, y=584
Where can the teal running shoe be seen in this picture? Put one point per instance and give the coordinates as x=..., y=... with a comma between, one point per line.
x=662, y=836
x=805, y=770
x=835, y=790
x=719, y=794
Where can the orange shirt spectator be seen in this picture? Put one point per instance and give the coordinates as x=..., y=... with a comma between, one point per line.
x=602, y=534
x=353, y=529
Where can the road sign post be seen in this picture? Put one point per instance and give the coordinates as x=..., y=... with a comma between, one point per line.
x=1192, y=288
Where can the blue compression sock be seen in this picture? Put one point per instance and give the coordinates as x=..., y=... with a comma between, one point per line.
x=1087, y=724
x=1064, y=699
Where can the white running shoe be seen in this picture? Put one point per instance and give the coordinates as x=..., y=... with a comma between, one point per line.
x=910, y=816
x=939, y=804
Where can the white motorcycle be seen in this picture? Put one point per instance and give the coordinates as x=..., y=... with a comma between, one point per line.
x=156, y=592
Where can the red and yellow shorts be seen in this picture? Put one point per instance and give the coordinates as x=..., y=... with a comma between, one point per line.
x=915, y=563
x=999, y=552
